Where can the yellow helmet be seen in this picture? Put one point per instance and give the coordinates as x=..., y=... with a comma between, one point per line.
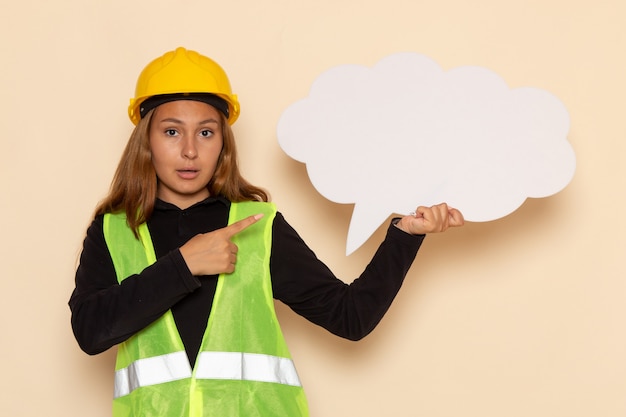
x=183, y=72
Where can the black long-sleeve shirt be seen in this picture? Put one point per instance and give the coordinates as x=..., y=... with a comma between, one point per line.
x=105, y=313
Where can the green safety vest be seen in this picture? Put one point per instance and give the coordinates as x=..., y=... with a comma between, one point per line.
x=243, y=368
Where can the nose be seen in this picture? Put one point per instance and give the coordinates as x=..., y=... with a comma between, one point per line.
x=189, y=149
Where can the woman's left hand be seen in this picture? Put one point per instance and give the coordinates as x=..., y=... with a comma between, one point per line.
x=433, y=219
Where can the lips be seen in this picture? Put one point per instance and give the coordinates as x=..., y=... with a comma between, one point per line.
x=187, y=174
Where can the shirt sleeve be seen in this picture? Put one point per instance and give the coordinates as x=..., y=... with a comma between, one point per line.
x=309, y=287
x=105, y=313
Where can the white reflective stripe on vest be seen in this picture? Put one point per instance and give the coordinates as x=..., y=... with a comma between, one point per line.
x=210, y=365
x=151, y=371
x=247, y=367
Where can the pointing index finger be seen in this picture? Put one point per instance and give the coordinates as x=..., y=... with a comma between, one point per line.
x=241, y=225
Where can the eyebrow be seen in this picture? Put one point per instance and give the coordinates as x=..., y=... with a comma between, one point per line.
x=180, y=122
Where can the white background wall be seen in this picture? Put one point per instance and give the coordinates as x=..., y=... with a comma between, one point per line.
x=517, y=317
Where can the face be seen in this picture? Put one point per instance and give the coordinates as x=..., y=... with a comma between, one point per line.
x=185, y=141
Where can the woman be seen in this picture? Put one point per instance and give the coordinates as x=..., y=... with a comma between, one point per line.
x=184, y=257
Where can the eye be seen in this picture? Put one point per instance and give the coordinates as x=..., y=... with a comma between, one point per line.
x=171, y=132
x=206, y=133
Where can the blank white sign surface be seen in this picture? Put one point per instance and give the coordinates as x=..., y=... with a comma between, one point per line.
x=406, y=133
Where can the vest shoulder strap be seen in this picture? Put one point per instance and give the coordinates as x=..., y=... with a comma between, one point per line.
x=129, y=252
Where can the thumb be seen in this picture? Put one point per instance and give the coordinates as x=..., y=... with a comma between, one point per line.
x=241, y=225
x=456, y=218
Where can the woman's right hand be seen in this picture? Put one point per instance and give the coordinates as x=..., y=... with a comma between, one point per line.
x=214, y=252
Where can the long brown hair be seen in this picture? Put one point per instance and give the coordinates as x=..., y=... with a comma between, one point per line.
x=134, y=186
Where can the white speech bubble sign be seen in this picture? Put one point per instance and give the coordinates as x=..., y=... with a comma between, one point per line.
x=405, y=133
